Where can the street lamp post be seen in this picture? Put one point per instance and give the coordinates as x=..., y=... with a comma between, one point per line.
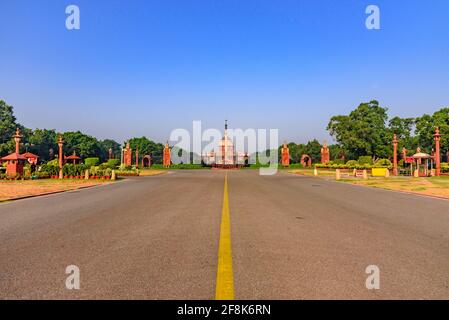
x=395, y=155
x=60, y=144
x=437, y=137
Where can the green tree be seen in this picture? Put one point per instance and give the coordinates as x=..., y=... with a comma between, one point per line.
x=84, y=145
x=111, y=144
x=148, y=147
x=425, y=129
x=363, y=131
x=8, y=126
x=41, y=141
x=313, y=149
x=403, y=128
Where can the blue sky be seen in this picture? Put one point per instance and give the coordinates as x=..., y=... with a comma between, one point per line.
x=146, y=67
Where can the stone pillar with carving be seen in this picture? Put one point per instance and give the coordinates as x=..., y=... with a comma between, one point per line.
x=166, y=156
x=137, y=158
x=127, y=155
x=395, y=155
x=285, y=156
x=325, y=155
x=60, y=156
x=110, y=154
x=437, y=137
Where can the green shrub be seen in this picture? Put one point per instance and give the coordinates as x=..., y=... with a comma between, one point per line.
x=365, y=160
x=89, y=162
x=51, y=169
x=54, y=162
x=352, y=164
x=294, y=166
x=113, y=163
x=41, y=175
x=383, y=163
x=338, y=161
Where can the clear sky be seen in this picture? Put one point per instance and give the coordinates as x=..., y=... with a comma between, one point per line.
x=146, y=67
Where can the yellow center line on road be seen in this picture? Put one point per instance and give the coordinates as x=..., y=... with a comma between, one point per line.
x=225, y=278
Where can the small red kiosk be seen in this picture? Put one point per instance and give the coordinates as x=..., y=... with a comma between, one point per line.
x=16, y=161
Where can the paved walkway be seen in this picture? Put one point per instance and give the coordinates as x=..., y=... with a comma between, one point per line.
x=290, y=237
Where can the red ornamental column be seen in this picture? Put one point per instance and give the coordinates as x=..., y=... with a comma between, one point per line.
x=437, y=137
x=17, y=137
x=395, y=155
x=285, y=156
x=60, y=144
x=137, y=158
x=166, y=156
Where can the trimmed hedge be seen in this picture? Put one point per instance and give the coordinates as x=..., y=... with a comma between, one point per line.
x=89, y=162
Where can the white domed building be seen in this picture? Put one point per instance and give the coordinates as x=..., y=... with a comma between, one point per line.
x=225, y=156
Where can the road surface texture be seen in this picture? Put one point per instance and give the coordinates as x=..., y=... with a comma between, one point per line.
x=158, y=237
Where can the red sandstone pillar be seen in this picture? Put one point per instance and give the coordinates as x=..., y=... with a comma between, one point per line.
x=60, y=144
x=395, y=155
x=17, y=140
x=166, y=156
x=285, y=156
x=437, y=136
x=325, y=156
x=137, y=158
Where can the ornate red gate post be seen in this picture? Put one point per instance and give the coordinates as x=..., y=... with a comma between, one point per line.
x=166, y=159
x=395, y=155
x=15, y=160
x=127, y=155
x=285, y=156
x=437, y=137
x=60, y=156
x=325, y=156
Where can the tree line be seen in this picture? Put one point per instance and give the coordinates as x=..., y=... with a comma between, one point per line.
x=43, y=142
x=368, y=131
x=365, y=131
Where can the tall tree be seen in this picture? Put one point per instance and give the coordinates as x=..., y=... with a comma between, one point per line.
x=8, y=126
x=148, y=147
x=403, y=128
x=84, y=145
x=425, y=128
x=363, y=131
x=41, y=141
x=113, y=145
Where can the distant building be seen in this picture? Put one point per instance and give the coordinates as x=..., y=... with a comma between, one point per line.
x=225, y=156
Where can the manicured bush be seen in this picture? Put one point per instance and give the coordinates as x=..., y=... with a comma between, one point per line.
x=50, y=169
x=383, y=163
x=338, y=161
x=352, y=163
x=365, y=160
x=113, y=163
x=294, y=166
x=40, y=175
x=89, y=162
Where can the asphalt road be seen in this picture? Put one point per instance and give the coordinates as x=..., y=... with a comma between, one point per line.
x=292, y=238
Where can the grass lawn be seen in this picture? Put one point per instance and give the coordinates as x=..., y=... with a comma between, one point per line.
x=309, y=172
x=150, y=172
x=15, y=189
x=432, y=186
